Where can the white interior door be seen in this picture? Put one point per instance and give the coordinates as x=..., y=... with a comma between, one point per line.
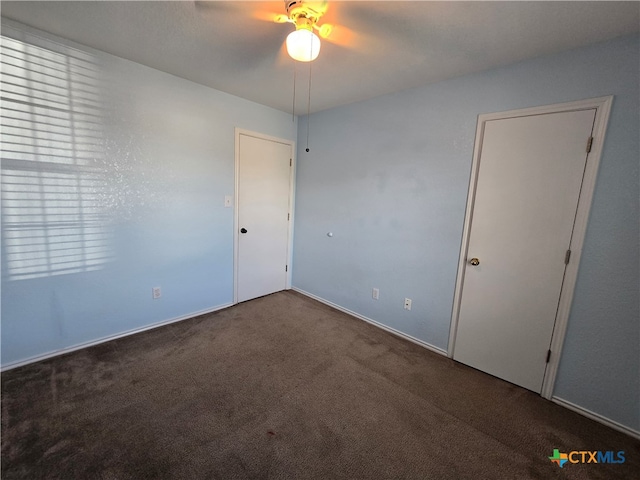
x=528, y=185
x=263, y=203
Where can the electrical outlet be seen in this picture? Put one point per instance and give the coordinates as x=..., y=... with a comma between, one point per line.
x=157, y=293
x=375, y=293
x=407, y=304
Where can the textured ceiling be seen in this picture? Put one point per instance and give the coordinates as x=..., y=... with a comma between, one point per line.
x=376, y=47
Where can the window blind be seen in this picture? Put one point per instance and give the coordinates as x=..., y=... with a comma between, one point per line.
x=53, y=172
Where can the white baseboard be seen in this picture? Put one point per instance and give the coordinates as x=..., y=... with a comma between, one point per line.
x=398, y=333
x=597, y=417
x=80, y=346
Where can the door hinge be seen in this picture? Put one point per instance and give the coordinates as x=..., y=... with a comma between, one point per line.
x=291, y=162
x=288, y=216
x=286, y=268
x=589, y=144
x=548, y=356
x=567, y=256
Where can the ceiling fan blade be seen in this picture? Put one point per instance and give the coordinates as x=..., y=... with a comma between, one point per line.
x=332, y=28
x=241, y=39
x=263, y=11
x=341, y=36
x=319, y=7
x=280, y=18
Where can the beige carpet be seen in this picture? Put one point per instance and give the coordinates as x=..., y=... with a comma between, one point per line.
x=283, y=387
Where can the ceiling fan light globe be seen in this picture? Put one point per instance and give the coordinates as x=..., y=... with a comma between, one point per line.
x=303, y=45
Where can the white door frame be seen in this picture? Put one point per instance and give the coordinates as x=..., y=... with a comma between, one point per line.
x=236, y=210
x=603, y=109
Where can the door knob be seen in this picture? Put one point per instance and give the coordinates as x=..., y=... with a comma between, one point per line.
x=243, y=230
x=474, y=262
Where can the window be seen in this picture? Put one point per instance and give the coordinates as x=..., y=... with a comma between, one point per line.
x=54, y=219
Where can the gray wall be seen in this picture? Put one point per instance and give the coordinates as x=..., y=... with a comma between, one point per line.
x=150, y=158
x=389, y=178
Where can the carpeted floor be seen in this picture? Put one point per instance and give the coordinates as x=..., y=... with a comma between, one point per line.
x=283, y=387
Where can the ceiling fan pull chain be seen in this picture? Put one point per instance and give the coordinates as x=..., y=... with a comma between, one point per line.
x=293, y=109
x=309, y=103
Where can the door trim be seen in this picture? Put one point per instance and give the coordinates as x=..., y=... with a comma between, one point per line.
x=236, y=211
x=603, y=110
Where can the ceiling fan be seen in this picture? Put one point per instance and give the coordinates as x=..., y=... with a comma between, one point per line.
x=303, y=44
x=256, y=42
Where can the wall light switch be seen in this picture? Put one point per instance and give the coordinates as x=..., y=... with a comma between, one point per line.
x=227, y=200
x=375, y=293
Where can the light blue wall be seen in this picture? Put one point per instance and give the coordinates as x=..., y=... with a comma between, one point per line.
x=165, y=154
x=389, y=178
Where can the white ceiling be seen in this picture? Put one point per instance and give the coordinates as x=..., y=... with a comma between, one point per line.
x=377, y=47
